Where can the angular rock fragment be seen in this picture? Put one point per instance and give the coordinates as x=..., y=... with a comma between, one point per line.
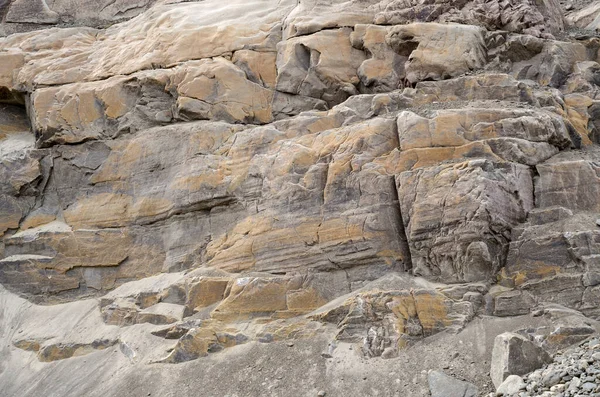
x=515, y=355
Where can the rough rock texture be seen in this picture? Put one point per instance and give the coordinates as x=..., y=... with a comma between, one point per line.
x=513, y=354
x=187, y=187
x=574, y=372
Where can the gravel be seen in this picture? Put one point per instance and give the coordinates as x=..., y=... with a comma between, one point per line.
x=574, y=372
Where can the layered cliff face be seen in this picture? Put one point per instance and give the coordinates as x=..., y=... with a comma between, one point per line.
x=189, y=189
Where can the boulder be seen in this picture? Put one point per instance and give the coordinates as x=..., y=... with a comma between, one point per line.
x=513, y=354
x=511, y=386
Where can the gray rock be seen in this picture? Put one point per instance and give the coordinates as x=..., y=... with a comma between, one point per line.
x=511, y=385
x=513, y=354
x=442, y=385
x=540, y=216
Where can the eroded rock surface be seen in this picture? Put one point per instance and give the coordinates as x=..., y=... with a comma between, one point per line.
x=183, y=181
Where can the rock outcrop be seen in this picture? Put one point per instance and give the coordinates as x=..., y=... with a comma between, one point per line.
x=184, y=180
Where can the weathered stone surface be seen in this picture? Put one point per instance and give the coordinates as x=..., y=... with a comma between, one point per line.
x=586, y=18
x=511, y=302
x=566, y=245
x=523, y=136
x=205, y=291
x=252, y=297
x=540, y=18
x=36, y=11
x=390, y=319
x=541, y=216
x=27, y=15
x=458, y=233
x=515, y=355
x=383, y=71
x=61, y=351
x=571, y=182
x=62, y=268
x=323, y=65
x=210, y=174
x=549, y=63
x=436, y=51
x=213, y=89
x=200, y=342
x=84, y=54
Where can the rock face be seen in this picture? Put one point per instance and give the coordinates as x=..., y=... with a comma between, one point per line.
x=184, y=180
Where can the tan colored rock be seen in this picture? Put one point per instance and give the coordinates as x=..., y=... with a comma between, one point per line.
x=217, y=89
x=200, y=31
x=392, y=319
x=383, y=71
x=541, y=19
x=212, y=89
x=61, y=351
x=577, y=112
x=205, y=292
x=199, y=342
x=495, y=86
x=436, y=51
x=524, y=136
x=322, y=65
x=95, y=259
x=255, y=297
x=37, y=218
x=10, y=62
x=316, y=15
x=260, y=67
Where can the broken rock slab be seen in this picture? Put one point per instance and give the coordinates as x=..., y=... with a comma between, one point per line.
x=514, y=354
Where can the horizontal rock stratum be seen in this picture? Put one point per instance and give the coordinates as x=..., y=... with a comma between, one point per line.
x=295, y=198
